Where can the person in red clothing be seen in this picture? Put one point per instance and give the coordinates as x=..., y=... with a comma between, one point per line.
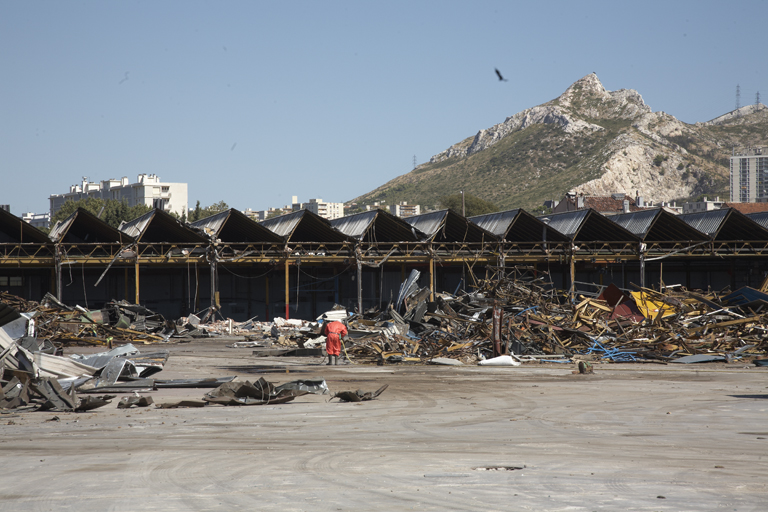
x=333, y=331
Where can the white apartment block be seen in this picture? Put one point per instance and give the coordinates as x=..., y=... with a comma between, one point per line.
x=318, y=206
x=703, y=206
x=749, y=175
x=148, y=190
x=38, y=220
x=405, y=210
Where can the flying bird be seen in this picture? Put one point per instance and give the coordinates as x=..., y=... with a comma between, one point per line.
x=498, y=74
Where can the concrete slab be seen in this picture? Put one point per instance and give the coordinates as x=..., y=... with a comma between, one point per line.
x=535, y=437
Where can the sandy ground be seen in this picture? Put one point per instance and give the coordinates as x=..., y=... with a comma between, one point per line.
x=629, y=437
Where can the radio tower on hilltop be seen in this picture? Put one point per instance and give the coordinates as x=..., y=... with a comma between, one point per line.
x=757, y=99
x=738, y=100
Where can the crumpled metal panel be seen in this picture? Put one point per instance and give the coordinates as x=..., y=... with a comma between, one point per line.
x=136, y=227
x=101, y=359
x=58, y=229
x=408, y=287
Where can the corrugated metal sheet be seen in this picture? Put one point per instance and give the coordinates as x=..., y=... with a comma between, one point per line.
x=497, y=223
x=60, y=228
x=157, y=226
x=85, y=227
x=759, y=218
x=356, y=225
x=707, y=222
x=284, y=224
x=377, y=226
x=567, y=223
x=136, y=227
x=211, y=225
x=658, y=225
x=428, y=223
x=638, y=223
x=304, y=226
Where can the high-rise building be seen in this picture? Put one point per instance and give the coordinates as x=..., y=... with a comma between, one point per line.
x=148, y=190
x=405, y=210
x=328, y=211
x=749, y=175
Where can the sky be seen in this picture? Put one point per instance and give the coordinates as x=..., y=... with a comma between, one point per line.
x=252, y=102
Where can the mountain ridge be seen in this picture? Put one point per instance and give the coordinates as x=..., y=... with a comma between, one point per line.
x=588, y=140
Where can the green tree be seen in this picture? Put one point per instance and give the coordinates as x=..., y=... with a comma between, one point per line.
x=111, y=211
x=473, y=205
x=202, y=213
x=195, y=215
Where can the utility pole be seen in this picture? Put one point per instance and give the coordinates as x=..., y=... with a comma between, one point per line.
x=463, y=209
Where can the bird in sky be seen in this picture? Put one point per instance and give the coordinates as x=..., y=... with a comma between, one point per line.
x=498, y=74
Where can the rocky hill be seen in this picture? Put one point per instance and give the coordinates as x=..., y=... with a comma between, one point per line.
x=587, y=140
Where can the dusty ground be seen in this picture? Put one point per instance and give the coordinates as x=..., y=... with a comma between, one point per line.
x=629, y=437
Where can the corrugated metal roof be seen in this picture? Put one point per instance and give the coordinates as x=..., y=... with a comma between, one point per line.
x=760, y=218
x=707, y=222
x=517, y=226
x=134, y=228
x=428, y=223
x=567, y=223
x=639, y=222
x=356, y=225
x=658, y=225
x=448, y=226
x=84, y=227
x=234, y=226
x=14, y=230
x=589, y=226
x=377, y=226
x=157, y=226
x=283, y=225
x=304, y=226
x=213, y=224
x=497, y=223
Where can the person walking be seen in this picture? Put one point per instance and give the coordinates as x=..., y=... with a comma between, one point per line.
x=334, y=331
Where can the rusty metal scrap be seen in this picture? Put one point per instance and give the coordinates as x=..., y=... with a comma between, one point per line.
x=537, y=320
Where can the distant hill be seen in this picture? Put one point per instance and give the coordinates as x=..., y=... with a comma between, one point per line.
x=587, y=140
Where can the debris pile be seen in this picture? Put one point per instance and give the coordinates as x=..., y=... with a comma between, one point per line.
x=536, y=322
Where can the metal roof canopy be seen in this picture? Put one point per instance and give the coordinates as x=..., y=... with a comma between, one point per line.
x=14, y=230
x=83, y=227
x=233, y=226
x=726, y=225
x=589, y=226
x=304, y=226
x=447, y=226
x=377, y=226
x=517, y=226
x=759, y=217
x=157, y=226
x=658, y=225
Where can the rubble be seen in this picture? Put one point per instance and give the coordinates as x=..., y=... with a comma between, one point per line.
x=537, y=322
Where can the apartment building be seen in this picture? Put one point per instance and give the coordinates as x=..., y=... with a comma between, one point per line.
x=148, y=190
x=749, y=175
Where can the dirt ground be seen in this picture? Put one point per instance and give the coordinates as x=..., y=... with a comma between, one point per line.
x=537, y=437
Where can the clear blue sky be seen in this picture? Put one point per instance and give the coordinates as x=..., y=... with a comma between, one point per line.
x=251, y=102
